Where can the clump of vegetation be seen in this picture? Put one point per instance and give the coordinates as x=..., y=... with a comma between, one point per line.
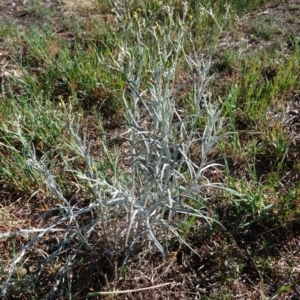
x=133, y=142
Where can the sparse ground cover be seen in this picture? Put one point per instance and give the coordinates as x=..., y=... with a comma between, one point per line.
x=149, y=144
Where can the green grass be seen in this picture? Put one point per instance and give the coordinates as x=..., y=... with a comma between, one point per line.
x=128, y=134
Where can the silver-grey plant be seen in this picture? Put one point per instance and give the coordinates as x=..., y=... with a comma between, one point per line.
x=163, y=180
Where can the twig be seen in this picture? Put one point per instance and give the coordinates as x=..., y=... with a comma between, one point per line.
x=128, y=291
x=26, y=232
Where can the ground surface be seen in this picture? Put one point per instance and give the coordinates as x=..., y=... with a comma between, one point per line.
x=221, y=254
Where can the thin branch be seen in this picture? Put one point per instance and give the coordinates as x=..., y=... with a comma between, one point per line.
x=127, y=291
